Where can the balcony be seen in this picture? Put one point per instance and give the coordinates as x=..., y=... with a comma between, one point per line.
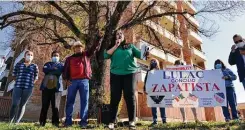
x=3, y=74
x=9, y=57
x=199, y=68
x=3, y=71
x=141, y=76
x=153, y=50
x=191, y=19
x=170, y=19
x=168, y=36
x=198, y=53
x=194, y=37
x=171, y=58
x=11, y=85
x=20, y=57
x=189, y=7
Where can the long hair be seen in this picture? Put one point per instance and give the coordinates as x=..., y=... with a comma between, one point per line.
x=158, y=65
x=178, y=62
x=218, y=61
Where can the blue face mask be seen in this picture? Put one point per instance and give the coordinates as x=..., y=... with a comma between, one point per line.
x=218, y=66
x=55, y=59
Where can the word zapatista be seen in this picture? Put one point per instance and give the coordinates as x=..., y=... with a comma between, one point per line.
x=184, y=81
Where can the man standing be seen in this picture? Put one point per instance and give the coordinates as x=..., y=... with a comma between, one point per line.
x=77, y=72
x=237, y=59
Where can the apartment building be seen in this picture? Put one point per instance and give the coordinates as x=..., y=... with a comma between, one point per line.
x=181, y=41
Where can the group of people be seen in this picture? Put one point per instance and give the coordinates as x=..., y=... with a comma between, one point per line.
x=77, y=71
x=237, y=57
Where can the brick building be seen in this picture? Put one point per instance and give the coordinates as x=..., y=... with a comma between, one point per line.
x=184, y=44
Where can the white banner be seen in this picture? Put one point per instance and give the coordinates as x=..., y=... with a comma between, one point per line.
x=185, y=88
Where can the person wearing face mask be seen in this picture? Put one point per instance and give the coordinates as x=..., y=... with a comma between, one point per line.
x=122, y=77
x=77, y=72
x=50, y=85
x=235, y=57
x=182, y=110
x=154, y=65
x=25, y=75
x=229, y=77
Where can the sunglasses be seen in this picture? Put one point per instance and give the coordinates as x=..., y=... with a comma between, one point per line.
x=238, y=41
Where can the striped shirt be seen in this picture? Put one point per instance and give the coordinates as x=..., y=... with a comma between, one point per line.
x=25, y=75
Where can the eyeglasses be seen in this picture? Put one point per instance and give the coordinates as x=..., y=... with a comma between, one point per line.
x=238, y=41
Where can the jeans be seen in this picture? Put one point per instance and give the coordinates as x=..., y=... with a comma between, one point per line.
x=83, y=87
x=20, y=97
x=127, y=85
x=231, y=101
x=154, y=114
x=48, y=96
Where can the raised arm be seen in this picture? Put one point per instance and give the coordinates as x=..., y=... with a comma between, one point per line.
x=136, y=52
x=95, y=47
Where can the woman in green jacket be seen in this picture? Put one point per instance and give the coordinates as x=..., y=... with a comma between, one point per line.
x=122, y=76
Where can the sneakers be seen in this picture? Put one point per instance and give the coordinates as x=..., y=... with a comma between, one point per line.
x=153, y=123
x=185, y=121
x=111, y=126
x=227, y=120
x=132, y=125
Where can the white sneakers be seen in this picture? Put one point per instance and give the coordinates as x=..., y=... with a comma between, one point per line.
x=131, y=123
x=111, y=125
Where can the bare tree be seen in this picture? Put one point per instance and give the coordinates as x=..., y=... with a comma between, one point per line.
x=62, y=22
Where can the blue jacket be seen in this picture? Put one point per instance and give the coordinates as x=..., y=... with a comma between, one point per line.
x=231, y=75
x=236, y=59
x=48, y=68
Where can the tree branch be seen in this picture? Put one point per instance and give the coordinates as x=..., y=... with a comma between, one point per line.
x=83, y=6
x=69, y=19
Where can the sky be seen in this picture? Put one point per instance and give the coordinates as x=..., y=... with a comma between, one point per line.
x=214, y=48
x=219, y=47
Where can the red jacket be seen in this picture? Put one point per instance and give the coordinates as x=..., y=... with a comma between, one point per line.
x=85, y=59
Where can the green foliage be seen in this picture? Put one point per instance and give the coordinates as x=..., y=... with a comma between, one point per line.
x=141, y=125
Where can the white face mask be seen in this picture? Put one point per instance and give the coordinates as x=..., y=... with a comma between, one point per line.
x=29, y=58
x=241, y=44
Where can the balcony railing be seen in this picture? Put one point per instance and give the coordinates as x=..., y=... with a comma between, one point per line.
x=10, y=53
x=20, y=57
x=192, y=20
x=141, y=76
x=198, y=67
x=190, y=6
x=5, y=73
x=198, y=53
x=171, y=58
x=164, y=32
x=11, y=85
x=195, y=36
x=153, y=50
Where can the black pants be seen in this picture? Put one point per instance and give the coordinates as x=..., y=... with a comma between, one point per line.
x=125, y=84
x=48, y=95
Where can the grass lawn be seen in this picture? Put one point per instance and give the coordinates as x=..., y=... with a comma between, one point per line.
x=142, y=125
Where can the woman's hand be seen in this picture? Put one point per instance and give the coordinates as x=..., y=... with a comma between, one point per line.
x=68, y=83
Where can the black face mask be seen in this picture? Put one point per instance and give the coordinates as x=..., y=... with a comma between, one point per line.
x=153, y=65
